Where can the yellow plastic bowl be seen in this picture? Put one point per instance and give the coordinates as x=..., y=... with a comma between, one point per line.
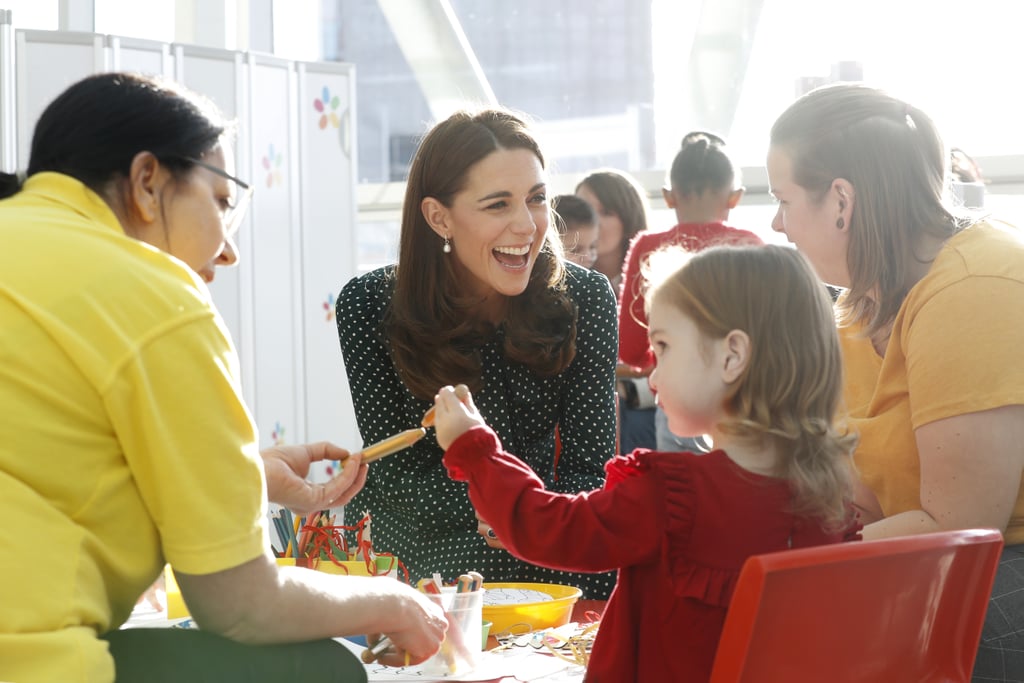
x=531, y=616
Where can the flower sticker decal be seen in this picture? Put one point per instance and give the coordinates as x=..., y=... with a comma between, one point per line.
x=333, y=467
x=327, y=106
x=277, y=436
x=272, y=162
x=329, y=307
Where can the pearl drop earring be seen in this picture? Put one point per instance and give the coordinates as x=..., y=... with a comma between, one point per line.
x=447, y=248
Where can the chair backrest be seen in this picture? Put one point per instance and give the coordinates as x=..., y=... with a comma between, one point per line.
x=897, y=609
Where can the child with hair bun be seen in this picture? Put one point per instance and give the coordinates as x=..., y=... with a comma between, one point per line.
x=704, y=186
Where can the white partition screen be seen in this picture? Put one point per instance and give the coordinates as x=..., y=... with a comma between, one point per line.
x=274, y=217
x=326, y=100
x=8, y=112
x=46, y=63
x=141, y=56
x=297, y=248
x=222, y=76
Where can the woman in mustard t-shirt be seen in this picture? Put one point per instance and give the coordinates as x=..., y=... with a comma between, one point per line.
x=932, y=325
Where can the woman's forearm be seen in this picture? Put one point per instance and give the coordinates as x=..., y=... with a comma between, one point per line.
x=260, y=603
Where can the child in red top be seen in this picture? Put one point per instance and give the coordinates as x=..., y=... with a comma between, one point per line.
x=704, y=186
x=758, y=372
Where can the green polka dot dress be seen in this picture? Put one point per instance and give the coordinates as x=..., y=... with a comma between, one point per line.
x=425, y=518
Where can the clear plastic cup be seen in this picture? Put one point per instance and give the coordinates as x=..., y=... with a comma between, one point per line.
x=460, y=651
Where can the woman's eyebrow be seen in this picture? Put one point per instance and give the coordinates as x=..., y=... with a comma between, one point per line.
x=504, y=194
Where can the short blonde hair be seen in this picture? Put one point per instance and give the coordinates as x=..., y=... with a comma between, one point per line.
x=790, y=392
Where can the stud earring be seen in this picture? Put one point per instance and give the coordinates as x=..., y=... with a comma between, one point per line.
x=447, y=248
x=840, y=223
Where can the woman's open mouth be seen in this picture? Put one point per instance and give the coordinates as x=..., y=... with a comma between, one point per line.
x=515, y=258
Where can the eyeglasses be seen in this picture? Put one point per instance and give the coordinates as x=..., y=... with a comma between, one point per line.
x=233, y=214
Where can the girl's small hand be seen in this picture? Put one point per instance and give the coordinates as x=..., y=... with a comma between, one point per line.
x=454, y=414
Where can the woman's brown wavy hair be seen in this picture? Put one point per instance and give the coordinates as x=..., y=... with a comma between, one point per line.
x=431, y=322
x=790, y=393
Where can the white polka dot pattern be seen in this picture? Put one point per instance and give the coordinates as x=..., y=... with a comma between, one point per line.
x=421, y=515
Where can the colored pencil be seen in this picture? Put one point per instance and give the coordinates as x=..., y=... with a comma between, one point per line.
x=392, y=444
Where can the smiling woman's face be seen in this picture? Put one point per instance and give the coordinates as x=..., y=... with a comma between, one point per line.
x=497, y=223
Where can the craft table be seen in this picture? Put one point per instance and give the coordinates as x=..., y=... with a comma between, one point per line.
x=144, y=616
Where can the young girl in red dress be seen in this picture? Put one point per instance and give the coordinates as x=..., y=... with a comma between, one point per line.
x=746, y=353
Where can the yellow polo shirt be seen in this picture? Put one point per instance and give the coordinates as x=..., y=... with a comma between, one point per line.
x=957, y=346
x=124, y=441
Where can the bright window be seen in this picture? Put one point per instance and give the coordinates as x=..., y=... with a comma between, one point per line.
x=37, y=15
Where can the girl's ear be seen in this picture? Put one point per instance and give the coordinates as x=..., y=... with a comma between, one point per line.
x=436, y=215
x=670, y=197
x=736, y=355
x=734, y=197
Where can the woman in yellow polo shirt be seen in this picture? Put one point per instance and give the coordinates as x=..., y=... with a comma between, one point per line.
x=932, y=322
x=125, y=442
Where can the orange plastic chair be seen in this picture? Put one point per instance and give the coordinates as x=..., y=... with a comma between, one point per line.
x=896, y=610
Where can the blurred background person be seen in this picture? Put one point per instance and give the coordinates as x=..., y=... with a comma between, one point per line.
x=621, y=206
x=578, y=227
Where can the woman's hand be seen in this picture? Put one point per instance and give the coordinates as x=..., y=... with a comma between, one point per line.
x=288, y=466
x=418, y=635
x=454, y=414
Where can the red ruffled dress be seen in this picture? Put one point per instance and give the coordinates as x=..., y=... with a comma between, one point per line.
x=677, y=525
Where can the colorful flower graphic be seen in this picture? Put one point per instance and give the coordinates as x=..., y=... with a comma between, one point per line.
x=333, y=467
x=277, y=436
x=272, y=165
x=327, y=106
x=329, y=307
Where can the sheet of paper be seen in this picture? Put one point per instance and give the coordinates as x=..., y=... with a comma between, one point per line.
x=523, y=665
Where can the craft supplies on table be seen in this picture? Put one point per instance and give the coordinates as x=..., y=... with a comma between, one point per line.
x=518, y=664
x=460, y=651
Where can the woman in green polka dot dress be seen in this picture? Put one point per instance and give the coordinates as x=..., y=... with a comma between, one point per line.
x=480, y=296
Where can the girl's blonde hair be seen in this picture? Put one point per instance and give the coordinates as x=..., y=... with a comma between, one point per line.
x=790, y=392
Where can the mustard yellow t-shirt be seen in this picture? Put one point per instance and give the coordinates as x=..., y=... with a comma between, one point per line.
x=957, y=347
x=124, y=440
